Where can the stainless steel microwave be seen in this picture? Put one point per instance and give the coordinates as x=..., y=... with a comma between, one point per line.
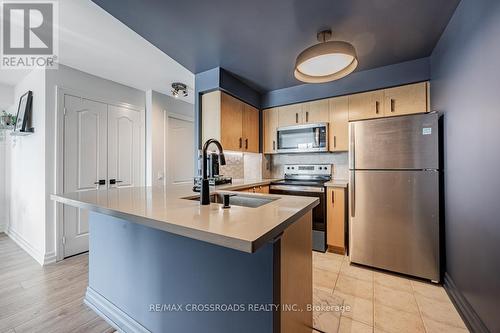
x=303, y=138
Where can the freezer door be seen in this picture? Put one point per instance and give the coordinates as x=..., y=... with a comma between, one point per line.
x=394, y=221
x=407, y=142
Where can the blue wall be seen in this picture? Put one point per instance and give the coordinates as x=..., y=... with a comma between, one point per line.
x=133, y=266
x=465, y=86
x=377, y=78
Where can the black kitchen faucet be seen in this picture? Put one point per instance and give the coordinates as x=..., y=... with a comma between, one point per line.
x=205, y=186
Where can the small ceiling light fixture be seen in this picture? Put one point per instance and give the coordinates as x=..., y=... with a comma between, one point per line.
x=179, y=90
x=326, y=61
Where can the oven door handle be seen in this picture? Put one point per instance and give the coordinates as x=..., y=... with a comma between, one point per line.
x=293, y=188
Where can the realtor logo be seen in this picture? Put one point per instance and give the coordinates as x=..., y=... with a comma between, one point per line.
x=29, y=34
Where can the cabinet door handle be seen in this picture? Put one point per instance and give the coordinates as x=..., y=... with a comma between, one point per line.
x=393, y=105
x=334, y=141
x=333, y=197
x=241, y=142
x=307, y=116
x=100, y=182
x=274, y=145
x=377, y=106
x=246, y=143
x=296, y=118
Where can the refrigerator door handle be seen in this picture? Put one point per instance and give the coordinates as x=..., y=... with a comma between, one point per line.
x=352, y=145
x=352, y=156
x=352, y=189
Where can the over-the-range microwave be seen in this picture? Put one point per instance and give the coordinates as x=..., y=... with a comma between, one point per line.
x=303, y=138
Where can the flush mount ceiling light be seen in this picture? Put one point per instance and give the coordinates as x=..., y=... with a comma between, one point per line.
x=326, y=61
x=179, y=89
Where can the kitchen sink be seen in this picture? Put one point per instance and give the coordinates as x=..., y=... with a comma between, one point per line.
x=238, y=199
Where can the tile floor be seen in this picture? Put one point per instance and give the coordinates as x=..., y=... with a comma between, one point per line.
x=351, y=298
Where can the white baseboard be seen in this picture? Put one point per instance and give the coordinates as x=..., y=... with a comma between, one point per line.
x=49, y=258
x=2, y=227
x=41, y=258
x=113, y=315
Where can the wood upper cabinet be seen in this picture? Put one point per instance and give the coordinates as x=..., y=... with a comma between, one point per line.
x=231, y=131
x=336, y=219
x=366, y=105
x=270, y=124
x=411, y=98
x=339, y=123
x=250, y=129
x=233, y=122
x=290, y=115
x=315, y=112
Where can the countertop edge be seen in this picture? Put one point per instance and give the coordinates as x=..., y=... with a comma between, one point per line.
x=204, y=236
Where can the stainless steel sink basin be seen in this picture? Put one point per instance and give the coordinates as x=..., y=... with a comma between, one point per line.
x=238, y=200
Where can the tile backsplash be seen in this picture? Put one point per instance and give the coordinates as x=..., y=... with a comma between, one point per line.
x=242, y=165
x=273, y=165
x=234, y=165
x=256, y=166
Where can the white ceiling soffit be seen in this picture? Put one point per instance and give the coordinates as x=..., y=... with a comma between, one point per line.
x=93, y=41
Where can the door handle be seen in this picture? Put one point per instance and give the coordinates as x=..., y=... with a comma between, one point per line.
x=307, y=116
x=377, y=107
x=334, y=141
x=333, y=197
x=246, y=143
x=274, y=145
x=296, y=118
x=352, y=191
x=241, y=142
x=100, y=182
x=393, y=105
x=114, y=181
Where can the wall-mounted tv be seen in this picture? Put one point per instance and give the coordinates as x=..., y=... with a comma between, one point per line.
x=24, y=112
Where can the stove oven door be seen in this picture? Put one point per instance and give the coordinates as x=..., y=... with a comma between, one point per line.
x=319, y=212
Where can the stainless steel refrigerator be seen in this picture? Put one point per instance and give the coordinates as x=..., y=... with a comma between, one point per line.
x=394, y=194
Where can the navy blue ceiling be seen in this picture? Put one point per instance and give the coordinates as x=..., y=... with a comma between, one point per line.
x=258, y=40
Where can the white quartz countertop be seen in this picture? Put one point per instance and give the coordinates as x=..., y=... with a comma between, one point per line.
x=241, y=228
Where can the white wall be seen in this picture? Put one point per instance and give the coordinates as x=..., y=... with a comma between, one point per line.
x=158, y=106
x=6, y=102
x=25, y=173
x=6, y=96
x=30, y=171
x=72, y=80
x=3, y=198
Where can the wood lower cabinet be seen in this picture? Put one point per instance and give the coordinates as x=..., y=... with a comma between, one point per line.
x=366, y=105
x=233, y=122
x=256, y=189
x=339, y=124
x=336, y=219
x=408, y=99
x=270, y=125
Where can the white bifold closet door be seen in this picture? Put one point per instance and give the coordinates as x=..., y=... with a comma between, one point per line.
x=125, y=147
x=103, y=148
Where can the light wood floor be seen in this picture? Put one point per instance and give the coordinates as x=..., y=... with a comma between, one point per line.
x=44, y=299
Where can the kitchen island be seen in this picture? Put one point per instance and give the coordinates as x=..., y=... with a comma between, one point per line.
x=160, y=262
